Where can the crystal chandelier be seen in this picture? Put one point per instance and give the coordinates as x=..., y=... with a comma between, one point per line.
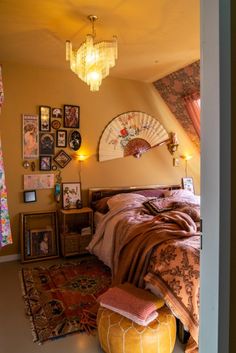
x=92, y=61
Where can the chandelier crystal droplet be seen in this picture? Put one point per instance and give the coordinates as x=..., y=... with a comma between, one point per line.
x=92, y=61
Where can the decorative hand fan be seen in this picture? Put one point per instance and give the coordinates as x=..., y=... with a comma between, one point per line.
x=133, y=133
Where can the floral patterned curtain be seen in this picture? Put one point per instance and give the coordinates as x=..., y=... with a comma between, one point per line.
x=5, y=228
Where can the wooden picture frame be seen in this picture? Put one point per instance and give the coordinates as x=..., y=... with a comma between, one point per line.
x=39, y=236
x=71, y=116
x=45, y=163
x=71, y=194
x=187, y=184
x=44, y=118
x=62, y=158
x=61, y=138
x=46, y=143
x=30, y=136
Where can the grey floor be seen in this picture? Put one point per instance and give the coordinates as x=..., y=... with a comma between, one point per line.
x=15, y=331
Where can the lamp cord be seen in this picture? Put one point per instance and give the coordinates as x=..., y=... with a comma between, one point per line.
x=186, y=168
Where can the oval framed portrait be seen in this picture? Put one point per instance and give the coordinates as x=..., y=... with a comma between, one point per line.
x=75, y=140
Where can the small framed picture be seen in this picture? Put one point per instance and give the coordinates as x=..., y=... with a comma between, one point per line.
x=30, y=196
x=45, y=163
x=56, y=113
x=187, y=184
x=46, y=143
x=71, y=195
x=71, y=116
x=44, y=118
x=62, y=158
x=61, y=138
x=56, y=124
x=41, y=242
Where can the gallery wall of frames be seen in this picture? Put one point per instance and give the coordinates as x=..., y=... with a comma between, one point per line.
x=47, y=139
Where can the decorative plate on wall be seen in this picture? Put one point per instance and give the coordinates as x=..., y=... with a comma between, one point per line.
x=75, y=140
x=130, y=133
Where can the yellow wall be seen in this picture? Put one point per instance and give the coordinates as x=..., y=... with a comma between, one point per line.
x=28, y=87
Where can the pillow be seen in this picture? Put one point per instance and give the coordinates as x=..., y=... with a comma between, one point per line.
x=101, y=205
x=120, y=201
x=182, y=195
x=156, y=206
x=157, y=193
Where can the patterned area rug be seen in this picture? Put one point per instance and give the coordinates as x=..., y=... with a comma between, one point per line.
x=61, y=299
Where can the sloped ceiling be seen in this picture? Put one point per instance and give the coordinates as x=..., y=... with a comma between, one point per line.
x=155, y=37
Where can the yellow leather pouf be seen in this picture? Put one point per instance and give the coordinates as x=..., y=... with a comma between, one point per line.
x=117, y=334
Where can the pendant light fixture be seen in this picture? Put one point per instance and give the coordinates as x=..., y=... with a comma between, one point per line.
x=92, y=61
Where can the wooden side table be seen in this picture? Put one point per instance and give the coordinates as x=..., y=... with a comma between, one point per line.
x=76, y=230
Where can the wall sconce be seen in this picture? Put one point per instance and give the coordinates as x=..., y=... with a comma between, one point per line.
x=186, y=158
x=81, y=158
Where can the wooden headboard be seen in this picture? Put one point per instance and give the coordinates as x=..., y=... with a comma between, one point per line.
x=96, y=194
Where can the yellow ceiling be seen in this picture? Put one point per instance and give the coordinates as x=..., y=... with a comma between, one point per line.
x=155, y=37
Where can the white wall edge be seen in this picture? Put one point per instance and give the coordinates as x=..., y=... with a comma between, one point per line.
x=8, y=258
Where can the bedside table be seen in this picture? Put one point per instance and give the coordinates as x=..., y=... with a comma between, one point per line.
x=76, y=230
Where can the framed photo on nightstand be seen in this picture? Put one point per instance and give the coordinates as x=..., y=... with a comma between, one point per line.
x=187, y=184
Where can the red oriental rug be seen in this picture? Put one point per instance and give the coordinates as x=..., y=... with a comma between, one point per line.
x=61, y=299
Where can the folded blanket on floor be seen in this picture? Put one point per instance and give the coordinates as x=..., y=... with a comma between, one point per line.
x=134, y=303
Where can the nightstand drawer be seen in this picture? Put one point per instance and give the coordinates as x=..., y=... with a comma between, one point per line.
x=70, y=243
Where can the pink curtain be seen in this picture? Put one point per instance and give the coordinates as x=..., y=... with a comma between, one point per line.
x=193, y=106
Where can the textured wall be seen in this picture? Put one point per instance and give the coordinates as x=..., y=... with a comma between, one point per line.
x=174, y=87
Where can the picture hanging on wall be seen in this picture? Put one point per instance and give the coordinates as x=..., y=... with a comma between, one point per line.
x=45, y=163
x=71, y=116
x=56, y=113
x=30, y=137
x=61, y=138
x=62, y=158
x=38, y=181
x=75, y=140
x=46, y=143
x=44, y=118
x=56, y=124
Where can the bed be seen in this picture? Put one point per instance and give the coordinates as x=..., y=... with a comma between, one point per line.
x=149, y=236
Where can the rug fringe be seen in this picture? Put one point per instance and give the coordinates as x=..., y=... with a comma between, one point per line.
x=27, y=309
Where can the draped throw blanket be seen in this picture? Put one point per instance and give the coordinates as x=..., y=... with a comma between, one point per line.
x=133, y=249
x=5, y=229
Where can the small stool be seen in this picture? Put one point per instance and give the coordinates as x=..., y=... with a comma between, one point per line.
x=117, y=334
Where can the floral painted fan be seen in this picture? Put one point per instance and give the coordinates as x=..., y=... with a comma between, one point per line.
x=132, y=133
